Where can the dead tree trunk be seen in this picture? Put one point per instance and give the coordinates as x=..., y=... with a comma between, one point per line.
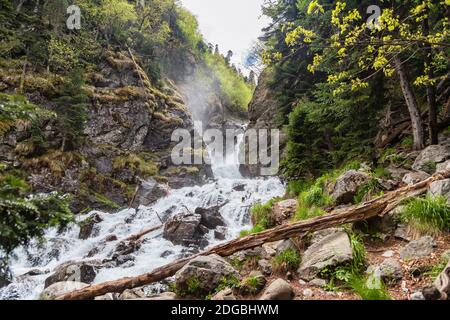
x=379, y=206
x=411, y=103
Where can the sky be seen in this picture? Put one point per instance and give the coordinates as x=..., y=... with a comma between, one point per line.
x=232, y=24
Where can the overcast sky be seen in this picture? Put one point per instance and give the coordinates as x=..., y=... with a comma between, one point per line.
x=232, y=24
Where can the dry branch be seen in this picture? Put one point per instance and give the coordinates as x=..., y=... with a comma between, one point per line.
x=379, y=206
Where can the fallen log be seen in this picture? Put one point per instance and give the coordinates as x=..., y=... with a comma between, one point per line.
x=142, y=233
x=375, y=207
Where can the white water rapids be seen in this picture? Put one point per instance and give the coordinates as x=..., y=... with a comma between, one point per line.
x=155, y=250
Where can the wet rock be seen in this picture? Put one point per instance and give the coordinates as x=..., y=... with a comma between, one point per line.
x=5, y=275
x=120, y=260
x=347, y=185
x=149, y=192
x=430, y=157
x=418, y=249
x=239, y=187
x=278, y=290
x=184, y=229
x=110, y=238
x=209, y=271
x=415, y=177
x=126, y=247
x=70, y=271
x=211, y=217
x=87, y=227
x=440, y=189
x=61, y=288
x=224, y=295
x=330, y=251
x=284, y=210
x=219, y=235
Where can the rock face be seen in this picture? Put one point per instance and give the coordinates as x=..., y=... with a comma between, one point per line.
x=278, y=290
x=79, y=272
x=284, y=210
x=347, y=186
x=149, y=192
x=61, y=288
x=208, y=270
x=184, y=229
x=330, y=251
x=430, y=157
x=87, y=227
x=415, y=177
x=418, y=249
x=441, y=188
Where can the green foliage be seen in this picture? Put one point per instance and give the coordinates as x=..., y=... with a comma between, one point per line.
x=360, y=286
x=193, y=286
x=304, y=213
x=104, y=200
x=24, y=218
x=254, y=283
x=295, y=187
x=315, y=196
x=368, y=191
x=288, y=260
x=262, y=214
x=253, y=230
x=137, y=164
x=429, y=215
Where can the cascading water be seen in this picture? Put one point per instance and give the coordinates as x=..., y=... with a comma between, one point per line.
x=229, y=189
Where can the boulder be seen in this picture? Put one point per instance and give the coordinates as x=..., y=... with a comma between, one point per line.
x=431, y=293
x=61, y=288
x=80, y=272
x=184, y=229
x=275, y=248
x=415, y=177
x=5, y=275
x=284, y=210
x=87, y=227
x=132, y=294
x=397, y=174
x=278, y=290
x=265, y=266
x=347, y=185
x=209, y=271
x=252, y=284
x=418, y=249
x=211, y=217
x=390, y=270
x=431, y=156
x=149, y=192
x=440, y=188
x=224, y=295
x=108, y=297
x=330, y=251
x=320, y=283
x=443, y=166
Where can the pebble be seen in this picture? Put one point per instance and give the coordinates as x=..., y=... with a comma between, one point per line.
x=388, y=254
x=308, y=293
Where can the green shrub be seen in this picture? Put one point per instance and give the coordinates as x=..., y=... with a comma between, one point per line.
x=295, y=187
x=315, y=196
x=359, y=285
x=368, y=191
x=304, y=213
x=255, y=229
x=429, y=215
x=288, y=260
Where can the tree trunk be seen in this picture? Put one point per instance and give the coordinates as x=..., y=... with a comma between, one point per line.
x=431, y=90
x=411, y=102
x=379, y=206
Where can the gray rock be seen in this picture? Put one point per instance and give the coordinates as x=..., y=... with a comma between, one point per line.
x=265, y=266
x=132, y=294
x=184, y=229
x=415, y=177
x=319, y=235
x=61, y=288
x=308, y=293
x=208, y=270
x=320, y=283
x=224, y=295
x=277, y=247
x=417, y=296
x=108, y=297
x=166, y=296
x=87, y=227
x=278, y=290
x=257, y=283
x=389, y=270
x=5, y=275
x=402, y=232
x=331, y=251
x=149, y=192
x=347, y=185
x=430, y=157
x=284, y=210
x=418, y=249
x=211, y=217
x=440, y=188
x=431, y=293
x=443, y=166
x=84, y=272
x=397, y=173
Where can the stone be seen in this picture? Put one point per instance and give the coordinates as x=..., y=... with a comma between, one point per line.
x=110, y=238
x=402, y=232
x=61, y=288
x=224, y=295
x=431, y=293
x=277, y=247
x=211, y=217
x=108, y=297
x=265, y=266
x=418, y=249
x=443, y=166
x=347, y=185
x=388, y=254
x=417, y=296
x=320, y=283
x=308, y=293
x=440, y=189
x=284, y=210
x=165, y=296
x=184, y=229
x=87, y=227
x=330, y=251
x=319, y=235
x=415, y=177
x=72, y=271
x=389, y=270
x=149, y=192
x=5, y=275
x=278, y=290
x=131, y=294
x=397, y=173
x=430, y=157
x=208, y=270
x=252, y=284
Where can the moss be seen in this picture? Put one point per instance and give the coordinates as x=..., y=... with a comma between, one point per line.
x=137, y=164
x=104, y=200
x=55, y=160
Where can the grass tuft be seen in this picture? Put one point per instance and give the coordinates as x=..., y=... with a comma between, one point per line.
x=287, y=260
